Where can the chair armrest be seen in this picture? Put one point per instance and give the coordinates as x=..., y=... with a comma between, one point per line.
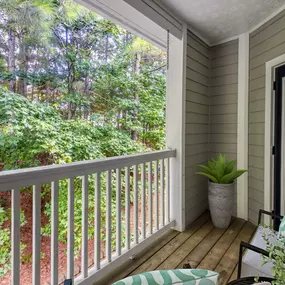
x=244, y=245
x=271, y=214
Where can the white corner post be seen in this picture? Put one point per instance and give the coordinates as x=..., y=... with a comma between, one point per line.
x=175, y=125
x=242, y=129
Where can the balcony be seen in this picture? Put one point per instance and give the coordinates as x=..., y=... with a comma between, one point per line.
x=151, y=211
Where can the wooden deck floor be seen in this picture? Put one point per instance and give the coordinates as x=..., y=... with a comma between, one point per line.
x=202, y=246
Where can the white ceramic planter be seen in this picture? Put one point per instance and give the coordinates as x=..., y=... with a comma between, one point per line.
x=221, y=201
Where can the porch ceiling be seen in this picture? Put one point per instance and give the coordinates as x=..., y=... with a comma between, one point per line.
x=217, y=20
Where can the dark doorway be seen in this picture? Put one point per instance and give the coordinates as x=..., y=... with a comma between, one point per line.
x=279, y=75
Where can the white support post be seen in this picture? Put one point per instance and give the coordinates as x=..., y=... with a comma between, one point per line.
x=36, y=234
x=54, y=233
x=70, y=234
x=175, y=125
x=156, y=206
x=136, y=198
x=162, y=197
x=15, y=235
x=150, y=205
x=127, y=207
x=97, y=240
x=143, y=203
x=242, y=145
x=108, y=216
x=84, y=251
x=118, y=213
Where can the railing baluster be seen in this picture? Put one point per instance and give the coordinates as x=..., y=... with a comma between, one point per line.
x=97, y=241
x=150, y=226
x=156, y=195
x=162, y=202
x=149, y=191
x=70, y=235
x=15, y=236
x=36, y=234
x=54, y=233
x=118, y=213
x=109, y=216
x=84, y=254
x=167, y=187
x=127, y=207
x=136, y=216
x=143, y=201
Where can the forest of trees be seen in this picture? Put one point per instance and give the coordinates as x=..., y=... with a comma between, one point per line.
x=73, y=86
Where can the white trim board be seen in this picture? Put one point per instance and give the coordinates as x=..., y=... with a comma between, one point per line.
x=270, y=66
x=126, y=16
x=242, y=129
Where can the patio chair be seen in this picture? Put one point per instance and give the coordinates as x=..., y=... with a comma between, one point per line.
x=250, y=264
x=169, y=277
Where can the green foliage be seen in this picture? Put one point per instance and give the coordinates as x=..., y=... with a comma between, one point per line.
x=63, y=211
x=5, y=240
x=34, y=134
x=221, y=170
x=276, y=248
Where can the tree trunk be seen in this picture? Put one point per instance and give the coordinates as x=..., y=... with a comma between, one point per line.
x=11, y=59
x=23, y=68
x=70, y=75
x=137, y=68
x=107, y=49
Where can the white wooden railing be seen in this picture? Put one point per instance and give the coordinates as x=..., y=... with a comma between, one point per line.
x=151, y=188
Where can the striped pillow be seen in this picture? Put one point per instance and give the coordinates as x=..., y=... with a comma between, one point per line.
x=170, y=277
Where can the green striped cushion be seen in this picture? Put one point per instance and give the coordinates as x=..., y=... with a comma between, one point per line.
x=170, y=277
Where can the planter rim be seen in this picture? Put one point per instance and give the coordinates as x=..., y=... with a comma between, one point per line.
x=220, y=183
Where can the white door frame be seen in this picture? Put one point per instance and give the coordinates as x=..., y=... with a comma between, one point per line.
x=268, y=133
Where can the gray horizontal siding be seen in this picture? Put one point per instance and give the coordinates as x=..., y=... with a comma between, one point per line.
x=197, y=125
x=223, y=103
x=266, y=43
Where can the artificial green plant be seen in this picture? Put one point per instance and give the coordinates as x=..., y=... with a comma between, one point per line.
x=221, y=170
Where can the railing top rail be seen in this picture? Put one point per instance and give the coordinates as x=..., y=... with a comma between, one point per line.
x=45, y=174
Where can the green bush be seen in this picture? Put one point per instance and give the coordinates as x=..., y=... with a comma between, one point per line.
x=5, y=239
x=33, y=134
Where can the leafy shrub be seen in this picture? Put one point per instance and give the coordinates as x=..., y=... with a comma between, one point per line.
x=221, y=170
x=33, y=134
x=5, y=240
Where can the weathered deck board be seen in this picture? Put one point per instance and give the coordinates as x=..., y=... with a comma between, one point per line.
x=202, y=246
x=234, y=275
x=174, y=260
x=146, y=256
x=196, y=256
x=157, y=259
x=230, y=259
x=217, y=252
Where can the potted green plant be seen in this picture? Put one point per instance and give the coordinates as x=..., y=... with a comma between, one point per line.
x=221, y=175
